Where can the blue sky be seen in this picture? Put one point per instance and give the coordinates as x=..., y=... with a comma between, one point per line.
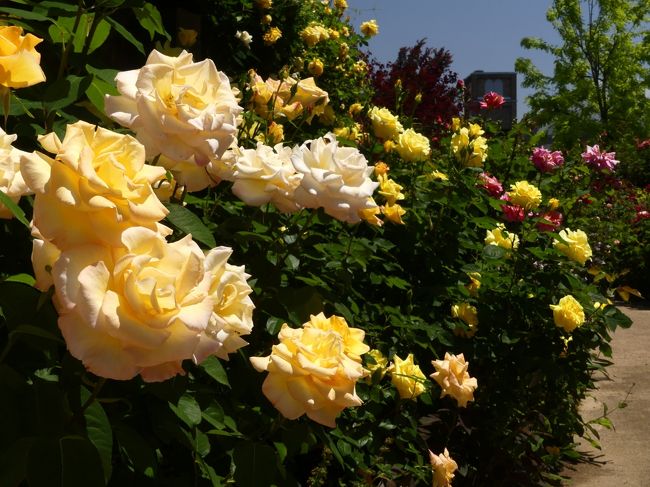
x=480, y=34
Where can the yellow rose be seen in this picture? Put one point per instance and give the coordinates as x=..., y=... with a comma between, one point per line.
x=186, y=112
x=465, y=312
x=475, y=283
x=443, y=467
x=347, y=133
x=341, y=4
x=460, y=142
x=553, y=203
x=407, y=377
x=390, y=190
x=146, y=306
x=568, y=313
x=475, y=130
x=526, y=195
x=275, y=133
x=19, y=61
x=413, y=147
x=381, y=168
x=438, y=175
x=501, y=237
x=452, y=376
x=11, y=180
x=272, y=36
x=344, y=50
x=314, y=369
x=393, y=213
x=313, y=34
x=98, y=182
x=355, y=109
x=574, y=245
x=455, y=124
x=379, y=362
x=315, y=67
x=369, y=214
x=479, y=152
x=385, y=125
x=369, y=28
x=264, y=4
x=266, y=19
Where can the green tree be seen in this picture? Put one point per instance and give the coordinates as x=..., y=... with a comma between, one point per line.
x=598, y=90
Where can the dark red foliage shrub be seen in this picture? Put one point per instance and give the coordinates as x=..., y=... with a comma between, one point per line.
x=423, y=72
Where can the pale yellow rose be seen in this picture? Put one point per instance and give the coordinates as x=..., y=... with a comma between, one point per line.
x=460, y=142
x=313, y=34
x=314, y=369
x=385, y=125
x=334, y=178
x=369, y=28
x=574, y=245
x=443, y=467
x=316, y=67
x=44, y=256
x=413, y=147
x=11, y=180
x=407, y=377
x=266, y=174
x=452, y=376
x=568, y=313
x=526, y=195
x=184, y=112
x=501, y=237
x=19, y=61
x=371, y=215
x=98, y=185
x=145, y=307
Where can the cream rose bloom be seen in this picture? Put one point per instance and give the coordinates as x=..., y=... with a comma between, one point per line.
x=98, y=183
x=266, y=174
x=574, y=245
x=11, y=180
x=314, y=369
x=526, y=195
x=407, y=377
x=385, y=125
x=568, y=313
x=413, y=147
x=334, y=178
x=443, y=467
x=186, y=112
x=20, y=62
x=452, y=376
x=145, y=307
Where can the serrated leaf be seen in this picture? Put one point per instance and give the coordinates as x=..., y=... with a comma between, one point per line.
x=187, y=222
x=188, y=410
x=214, y=368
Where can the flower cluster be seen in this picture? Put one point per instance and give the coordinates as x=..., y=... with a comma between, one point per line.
x=314, y=369
x=129, y=302
x=468, y=144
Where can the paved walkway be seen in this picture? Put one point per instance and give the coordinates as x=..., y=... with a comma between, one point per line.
x=625, y=450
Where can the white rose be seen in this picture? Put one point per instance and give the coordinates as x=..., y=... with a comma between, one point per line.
x=266, y=174
x=334, y=178
x=186, y=112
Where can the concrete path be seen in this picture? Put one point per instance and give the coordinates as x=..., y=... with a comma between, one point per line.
x=626, y=449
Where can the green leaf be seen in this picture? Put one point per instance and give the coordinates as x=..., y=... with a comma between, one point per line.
x=255, y=464
x=98, y=429
x=107, y=75
x=214, y=368
x=120, y=29
x=189, y=223
x=14, y=208
x=188, y=410
x=201, y=443
x=81, y=465
x=494, y=252
x=102, y=31
x=24, y=278
x=26, y=14
x=149, y=18
x=96, y=91
x=64, y=92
